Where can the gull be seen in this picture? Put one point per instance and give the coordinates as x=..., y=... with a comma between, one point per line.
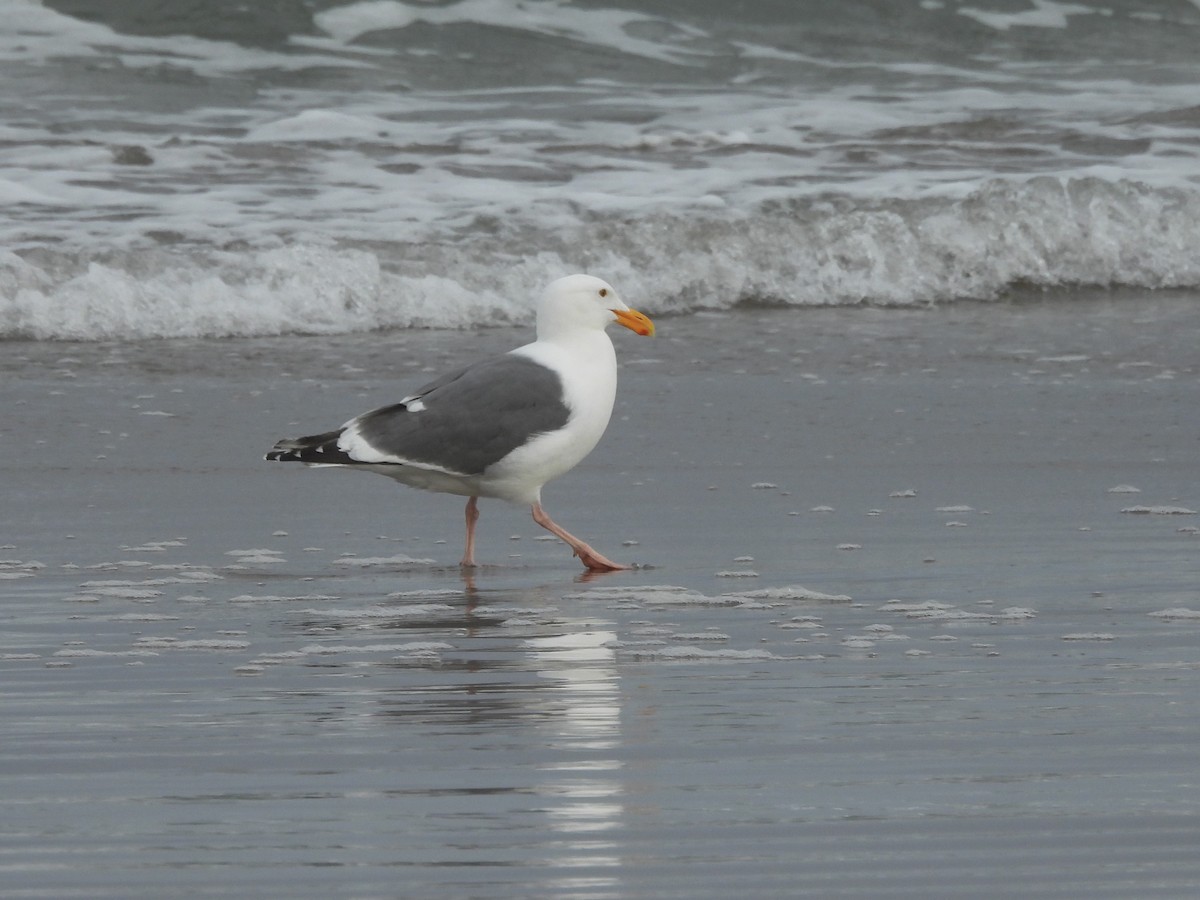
x=501, y=427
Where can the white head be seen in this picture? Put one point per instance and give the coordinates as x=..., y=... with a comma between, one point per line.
x=583, y=301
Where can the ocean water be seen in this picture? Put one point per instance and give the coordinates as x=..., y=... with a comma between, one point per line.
x=307, y=166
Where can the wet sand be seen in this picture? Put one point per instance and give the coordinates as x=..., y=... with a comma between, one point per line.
x=894, y=630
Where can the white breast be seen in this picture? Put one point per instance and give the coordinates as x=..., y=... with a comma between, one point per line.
x=587, y=365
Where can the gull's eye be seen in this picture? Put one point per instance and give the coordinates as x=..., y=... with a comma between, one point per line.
x=603, y=292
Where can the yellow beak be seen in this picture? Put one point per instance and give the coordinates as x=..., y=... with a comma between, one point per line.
x=635, y=321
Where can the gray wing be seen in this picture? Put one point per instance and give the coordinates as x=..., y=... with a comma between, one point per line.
x=464, y=421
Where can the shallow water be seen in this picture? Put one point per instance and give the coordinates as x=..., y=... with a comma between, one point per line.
x=894, y=636
x=533, y=737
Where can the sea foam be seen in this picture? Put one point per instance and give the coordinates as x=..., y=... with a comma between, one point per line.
x=1044, y=232
x=346, y=170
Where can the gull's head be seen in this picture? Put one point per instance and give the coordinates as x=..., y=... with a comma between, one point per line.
x=583, y=301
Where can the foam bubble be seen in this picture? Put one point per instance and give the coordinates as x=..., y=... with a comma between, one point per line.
x=366, y=562
x=372, y=613
x=657, y=595
x=1177, y=612
x=687, y=653
x=1044, y=14
x=792, y=592
x=167, y=643
x=420, y=647
x=277, y=598
x=126, y=593
x=936, y=611
x=609, y=29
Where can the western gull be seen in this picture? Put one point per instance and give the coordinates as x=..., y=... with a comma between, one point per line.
x=501, y=427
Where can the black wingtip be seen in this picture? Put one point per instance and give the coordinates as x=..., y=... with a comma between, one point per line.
x=316, y=448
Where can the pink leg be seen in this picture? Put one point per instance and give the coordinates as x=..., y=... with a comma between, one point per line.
x=472, y=517
x=592, y=561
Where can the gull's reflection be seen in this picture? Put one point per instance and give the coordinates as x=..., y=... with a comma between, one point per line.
x=585, y=792
x=511, y=717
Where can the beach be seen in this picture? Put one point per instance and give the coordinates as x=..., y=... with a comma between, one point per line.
x=915, y=613
x=907, y=481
